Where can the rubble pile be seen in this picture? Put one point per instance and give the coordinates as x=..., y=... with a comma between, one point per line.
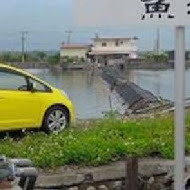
x=137, y=99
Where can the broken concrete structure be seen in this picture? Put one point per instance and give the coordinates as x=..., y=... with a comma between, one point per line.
x=134, y=96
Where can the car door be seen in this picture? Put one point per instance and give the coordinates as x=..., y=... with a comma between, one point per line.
x=19, y=108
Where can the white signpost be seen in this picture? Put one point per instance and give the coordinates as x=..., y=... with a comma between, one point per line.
x=176, y=13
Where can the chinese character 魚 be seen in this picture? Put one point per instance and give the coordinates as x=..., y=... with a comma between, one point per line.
x=188, y=5
x=156, y=6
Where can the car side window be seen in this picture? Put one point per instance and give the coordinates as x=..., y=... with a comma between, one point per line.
x=12, y=81
x=38, y=86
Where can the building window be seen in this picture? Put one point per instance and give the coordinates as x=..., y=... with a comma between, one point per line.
x=117, y=43
x=118, y=56
x=104, y=44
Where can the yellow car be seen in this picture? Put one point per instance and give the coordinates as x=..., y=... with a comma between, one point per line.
x=28, y=102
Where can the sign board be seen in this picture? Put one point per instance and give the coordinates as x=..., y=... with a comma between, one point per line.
x=131, y=12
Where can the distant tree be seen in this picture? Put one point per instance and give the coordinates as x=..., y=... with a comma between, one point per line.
x=156, y=57
x=16, y=57
x=28, y=57
x=54, y=59
x=10, y=57
x=6, y=57
x=41, y=55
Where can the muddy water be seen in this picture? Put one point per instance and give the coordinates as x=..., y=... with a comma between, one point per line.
x=91, y=96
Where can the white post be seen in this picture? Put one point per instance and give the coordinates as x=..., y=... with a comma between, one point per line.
x=179, y=108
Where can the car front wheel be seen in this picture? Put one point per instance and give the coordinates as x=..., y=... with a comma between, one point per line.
x=55, y=120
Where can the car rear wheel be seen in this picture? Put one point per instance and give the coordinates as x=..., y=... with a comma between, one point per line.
x=55, y=120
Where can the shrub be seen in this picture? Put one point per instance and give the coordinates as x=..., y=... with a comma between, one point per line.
x=160, y=58
x=98, y=142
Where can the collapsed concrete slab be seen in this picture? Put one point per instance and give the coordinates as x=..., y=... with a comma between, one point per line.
x=134, y=96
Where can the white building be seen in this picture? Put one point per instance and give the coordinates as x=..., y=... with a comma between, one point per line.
x=111, y=51
x=74, y=50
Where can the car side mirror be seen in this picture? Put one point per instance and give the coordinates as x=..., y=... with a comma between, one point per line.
x=32, y=86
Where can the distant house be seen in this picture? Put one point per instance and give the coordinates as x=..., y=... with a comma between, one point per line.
x=111, y=51
x=74, y=50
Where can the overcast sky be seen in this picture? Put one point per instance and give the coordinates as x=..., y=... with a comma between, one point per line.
x=47, y=20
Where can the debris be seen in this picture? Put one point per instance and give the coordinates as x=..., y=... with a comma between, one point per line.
x=139, y=101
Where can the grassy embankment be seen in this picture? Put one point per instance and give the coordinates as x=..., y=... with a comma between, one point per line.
x=99, y=142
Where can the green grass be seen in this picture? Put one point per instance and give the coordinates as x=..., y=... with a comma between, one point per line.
x=98, y=142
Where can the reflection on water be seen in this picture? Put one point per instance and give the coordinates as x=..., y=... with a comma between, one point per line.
x=87, y=91
x=91, y=96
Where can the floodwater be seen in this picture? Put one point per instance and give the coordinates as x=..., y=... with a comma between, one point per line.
x=88, y=92
x=160, y=83
x=91, y=96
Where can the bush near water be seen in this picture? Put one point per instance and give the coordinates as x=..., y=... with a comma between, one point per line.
x=98, y=142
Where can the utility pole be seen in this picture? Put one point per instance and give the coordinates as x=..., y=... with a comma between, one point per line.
x=69, y=32
x=96, y=35
x=158, y=41
x=23, y=38
x=180, y=108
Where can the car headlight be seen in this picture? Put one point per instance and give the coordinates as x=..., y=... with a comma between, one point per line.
x=65, y=94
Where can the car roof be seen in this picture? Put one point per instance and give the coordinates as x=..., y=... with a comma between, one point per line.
x=13, y=68
x=24, y=73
